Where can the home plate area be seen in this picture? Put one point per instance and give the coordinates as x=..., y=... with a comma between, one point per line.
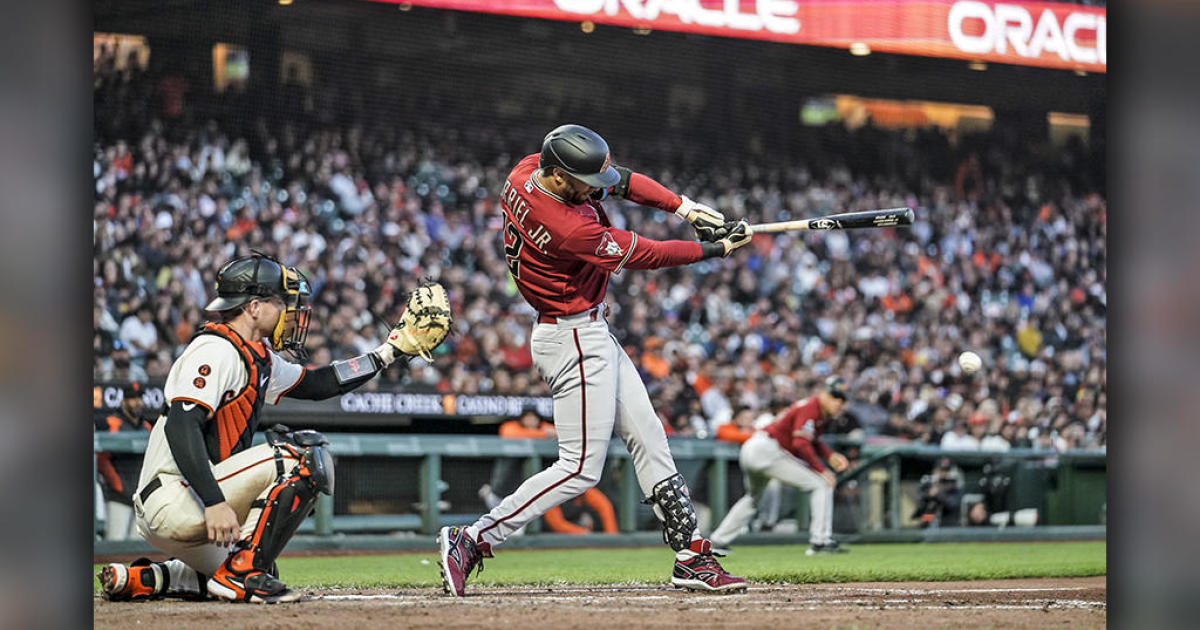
x=1026, y=603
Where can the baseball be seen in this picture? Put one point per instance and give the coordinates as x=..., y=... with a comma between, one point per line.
x=969, y=362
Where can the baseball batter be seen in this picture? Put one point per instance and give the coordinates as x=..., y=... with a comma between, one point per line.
x=790, y=450
x=222, y=508
x=560, y=249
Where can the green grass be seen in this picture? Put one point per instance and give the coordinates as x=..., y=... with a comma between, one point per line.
x=773, y=563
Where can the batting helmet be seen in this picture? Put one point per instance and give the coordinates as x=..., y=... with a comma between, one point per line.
x=580, y=152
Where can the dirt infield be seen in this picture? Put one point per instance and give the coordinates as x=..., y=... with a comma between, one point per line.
x=1031, y=603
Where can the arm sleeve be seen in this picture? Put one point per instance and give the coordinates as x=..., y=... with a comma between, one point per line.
x=322, y=382
x=647, y=192
x=614, y=249
x=803, y=436
x=803, y=449
x=185, y=437
x=108, y=473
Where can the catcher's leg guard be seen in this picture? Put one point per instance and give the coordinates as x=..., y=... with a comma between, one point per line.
x=672, y=504
x=249, y=574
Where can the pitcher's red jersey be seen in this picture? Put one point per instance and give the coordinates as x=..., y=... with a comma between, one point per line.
x=560, y=254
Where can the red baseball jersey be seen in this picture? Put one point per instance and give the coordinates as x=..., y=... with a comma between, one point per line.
x=798, y=431
x=560, y=254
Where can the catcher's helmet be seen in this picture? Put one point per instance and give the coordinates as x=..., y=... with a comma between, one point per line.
x=580, y=152
x=243, y=279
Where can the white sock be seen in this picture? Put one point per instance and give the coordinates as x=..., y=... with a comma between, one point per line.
x=184, y=579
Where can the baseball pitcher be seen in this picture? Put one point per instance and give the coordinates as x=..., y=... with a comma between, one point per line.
x=222, y=508
x=560, y=248
x=791, y=451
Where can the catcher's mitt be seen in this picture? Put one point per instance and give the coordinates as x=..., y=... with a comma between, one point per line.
x=425, y=322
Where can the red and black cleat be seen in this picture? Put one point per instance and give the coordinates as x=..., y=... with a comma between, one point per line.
x=459, y=556
x=701, y=571
x=237, y=580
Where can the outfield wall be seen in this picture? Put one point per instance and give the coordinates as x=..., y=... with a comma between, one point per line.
x=394, y=491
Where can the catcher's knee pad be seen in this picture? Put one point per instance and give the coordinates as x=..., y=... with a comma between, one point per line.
x=311, y=449
x=672, y=504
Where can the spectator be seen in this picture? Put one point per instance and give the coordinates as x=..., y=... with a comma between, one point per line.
x=740, y=429
x=957, y=439
x=1008, y=259
x=998, y=440
x=119, y=475
x=139, y=333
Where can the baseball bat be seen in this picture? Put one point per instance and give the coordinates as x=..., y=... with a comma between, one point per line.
x=888, y=217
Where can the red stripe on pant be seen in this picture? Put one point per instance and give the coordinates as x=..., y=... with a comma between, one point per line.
x=582, y=449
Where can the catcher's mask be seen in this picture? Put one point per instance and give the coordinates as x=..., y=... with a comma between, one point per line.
x=258, y=276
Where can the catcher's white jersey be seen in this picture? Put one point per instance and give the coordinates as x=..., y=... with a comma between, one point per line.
x=208, y=373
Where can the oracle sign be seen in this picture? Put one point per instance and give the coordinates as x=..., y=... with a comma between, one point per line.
x=776, y=16
x=1006, y=26
x=1048, y=34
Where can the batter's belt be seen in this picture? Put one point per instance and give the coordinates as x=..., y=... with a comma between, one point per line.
x=590, y=315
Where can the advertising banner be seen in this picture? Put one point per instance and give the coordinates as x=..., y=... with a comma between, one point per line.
x=106, y=398
x=1046, y=34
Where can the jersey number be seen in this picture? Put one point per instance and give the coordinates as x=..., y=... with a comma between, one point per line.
x=512, y=250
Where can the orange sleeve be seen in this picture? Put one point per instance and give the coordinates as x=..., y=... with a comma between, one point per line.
x=729, y=432
x=597, y=501
x=559, y=523
x=105, y=468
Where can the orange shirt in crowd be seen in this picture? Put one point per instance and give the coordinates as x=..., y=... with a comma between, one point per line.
x=513, y=430
x=594, y=499
x=730, y=432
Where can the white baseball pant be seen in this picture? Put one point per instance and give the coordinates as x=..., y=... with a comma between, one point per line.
x=172, y=518
x=597, y=392
x=763, y=459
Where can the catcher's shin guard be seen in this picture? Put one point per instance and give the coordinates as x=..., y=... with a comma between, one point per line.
x=288, y=504
x=250, y=574
x=672, y=504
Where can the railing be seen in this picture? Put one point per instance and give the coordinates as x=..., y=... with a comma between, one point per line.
x=881, y=467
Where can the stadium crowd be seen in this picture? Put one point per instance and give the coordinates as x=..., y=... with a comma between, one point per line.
x=1007, y=258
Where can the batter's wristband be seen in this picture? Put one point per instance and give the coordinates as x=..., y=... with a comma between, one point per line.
x=712, y=250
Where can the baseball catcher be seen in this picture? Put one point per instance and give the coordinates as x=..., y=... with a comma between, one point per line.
x=222, y=508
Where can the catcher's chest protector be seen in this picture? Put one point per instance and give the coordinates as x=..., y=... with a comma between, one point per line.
x=236, y=419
